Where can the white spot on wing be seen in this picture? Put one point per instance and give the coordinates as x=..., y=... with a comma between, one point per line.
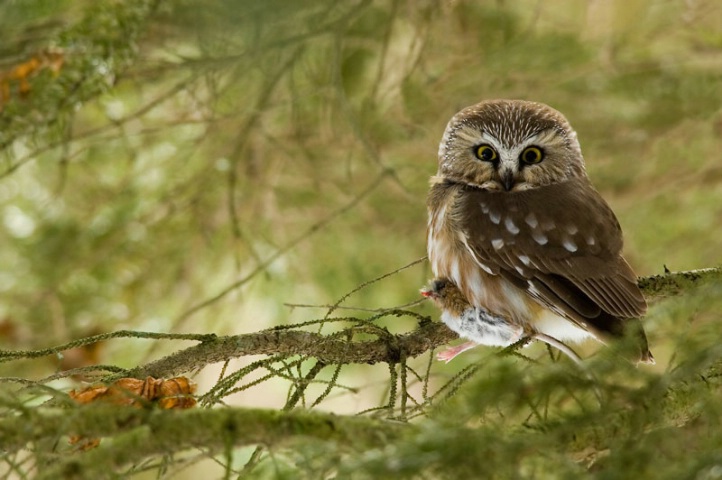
x=525, y=260
x=591, y=240
x=497, y=243
x=569, y=244
x=531, y=220
x=539, y=237
x=495, y=217
x=484, y=207
x=511, y=226
x=571, y=229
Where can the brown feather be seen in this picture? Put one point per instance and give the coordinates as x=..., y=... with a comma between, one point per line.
x=582, y=273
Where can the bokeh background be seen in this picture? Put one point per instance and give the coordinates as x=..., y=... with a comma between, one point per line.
x=229, y=166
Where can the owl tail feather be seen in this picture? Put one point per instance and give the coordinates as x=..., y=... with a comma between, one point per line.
x=635, y=332
x=647, y=358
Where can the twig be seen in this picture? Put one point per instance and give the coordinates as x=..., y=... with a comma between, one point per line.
x=369, y=282
x=8, y=355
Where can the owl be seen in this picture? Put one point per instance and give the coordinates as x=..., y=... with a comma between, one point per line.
x=516, y=225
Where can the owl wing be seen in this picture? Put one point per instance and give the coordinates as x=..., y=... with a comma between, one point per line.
x=561, y=243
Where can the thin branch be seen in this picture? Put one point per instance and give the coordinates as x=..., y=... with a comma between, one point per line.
x=63, y=142
x=9, y=355
x=353, y=120
x=367, y=283
x=355, y=309
x=271, y=81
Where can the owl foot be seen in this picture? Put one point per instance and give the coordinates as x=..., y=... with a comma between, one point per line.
x=451, y=352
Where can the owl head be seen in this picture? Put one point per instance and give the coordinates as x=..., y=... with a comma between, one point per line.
x=509, y=145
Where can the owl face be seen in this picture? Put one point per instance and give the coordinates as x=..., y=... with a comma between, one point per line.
x=509, y=145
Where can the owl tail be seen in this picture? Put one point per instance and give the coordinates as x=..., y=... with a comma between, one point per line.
x=633, y=329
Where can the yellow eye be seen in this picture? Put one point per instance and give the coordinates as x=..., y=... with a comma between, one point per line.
x=486, y=153
x=531, y=155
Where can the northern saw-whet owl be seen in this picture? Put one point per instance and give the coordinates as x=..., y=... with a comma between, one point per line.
x=526, y=240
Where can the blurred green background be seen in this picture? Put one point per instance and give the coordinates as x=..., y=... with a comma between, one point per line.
x=202, y=167
x=280, y=151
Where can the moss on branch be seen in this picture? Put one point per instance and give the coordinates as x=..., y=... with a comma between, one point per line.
x=328, y=349
x=141, y=433
x=674, y=283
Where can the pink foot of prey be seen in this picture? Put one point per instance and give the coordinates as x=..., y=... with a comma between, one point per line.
x=448, y=354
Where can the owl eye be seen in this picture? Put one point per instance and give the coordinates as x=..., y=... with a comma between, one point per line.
x=531, y=155
x=486, y=153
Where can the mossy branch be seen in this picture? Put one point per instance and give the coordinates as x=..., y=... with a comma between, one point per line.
x=387, y=349
x=674, y=283
x=328, y=349
x=333, y=349
x=141, y=433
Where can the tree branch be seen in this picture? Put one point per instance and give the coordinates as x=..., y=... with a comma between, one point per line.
x=340, y=348
x=674, y=283
x=328, y=349
x=387, y=349
x=141, y=433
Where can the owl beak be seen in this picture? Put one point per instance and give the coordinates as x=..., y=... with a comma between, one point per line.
x=507, y=179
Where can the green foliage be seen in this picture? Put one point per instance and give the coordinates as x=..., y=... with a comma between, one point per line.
x=217, y=167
